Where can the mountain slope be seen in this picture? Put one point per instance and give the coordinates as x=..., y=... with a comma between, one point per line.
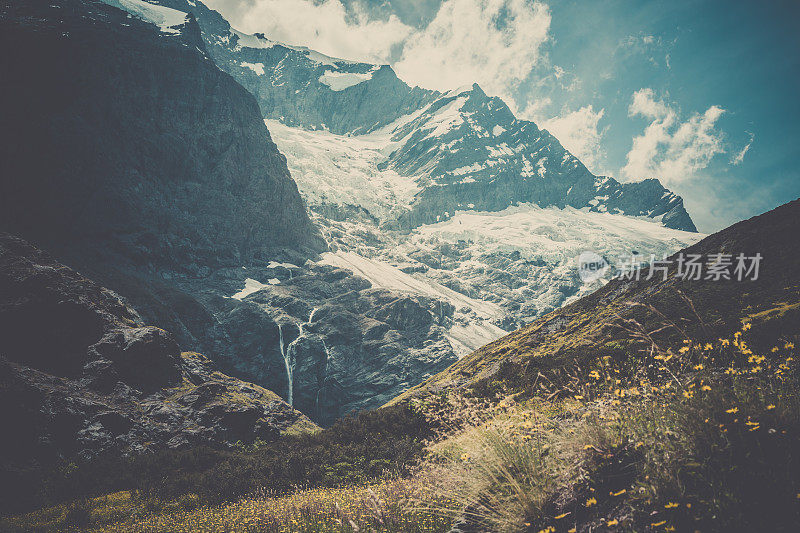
x=127, y=138
x=139, y=162
x=664, y=311
x=81, y=375
x=142, y=164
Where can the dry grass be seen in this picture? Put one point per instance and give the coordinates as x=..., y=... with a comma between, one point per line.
x=704, y=437
x=386, y=506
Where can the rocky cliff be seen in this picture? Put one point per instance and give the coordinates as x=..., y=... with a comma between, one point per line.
x=137, y=161
x=124, y=137
x=81, y=374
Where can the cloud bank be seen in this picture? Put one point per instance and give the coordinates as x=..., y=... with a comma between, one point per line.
x=326, y=27
x=579, y=133
x=495, y=43
x=670, y=149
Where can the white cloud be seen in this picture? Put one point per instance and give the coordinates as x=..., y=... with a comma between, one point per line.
x=644, y=103
x=670, y=149
x=739, y=156
x=533, y=110
x=578, y=132
x=326, y=27
x=495, y=43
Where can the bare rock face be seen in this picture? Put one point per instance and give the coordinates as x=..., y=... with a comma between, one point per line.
x=139, y=162
x=147, y=358
x=127, y=141
x=102, y=381
x=50, y=315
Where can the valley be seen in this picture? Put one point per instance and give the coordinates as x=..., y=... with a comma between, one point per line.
x=248, y=286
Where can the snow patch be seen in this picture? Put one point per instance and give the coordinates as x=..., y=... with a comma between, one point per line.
x=251, y=286
x=245, y=40
x=446, y=118
x=464, y=338
x=258, y=68
x=553, y=234
x=164, y=17
x=339, y=81
x=343, y=170
x=275, y=264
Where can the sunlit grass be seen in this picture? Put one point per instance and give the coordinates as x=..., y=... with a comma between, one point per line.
x=384, y=506
x=703, y=437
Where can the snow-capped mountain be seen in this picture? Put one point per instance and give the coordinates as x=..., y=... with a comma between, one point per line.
x=448, y=220
x=461, y=148
x=521, y=258
x=381, y=164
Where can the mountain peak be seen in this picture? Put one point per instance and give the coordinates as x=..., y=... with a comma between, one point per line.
x=464, y=147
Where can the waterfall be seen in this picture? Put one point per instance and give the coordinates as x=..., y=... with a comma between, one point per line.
x=289, y=366
x=289, y=354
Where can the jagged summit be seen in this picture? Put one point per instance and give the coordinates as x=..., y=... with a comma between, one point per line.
x=464, y=149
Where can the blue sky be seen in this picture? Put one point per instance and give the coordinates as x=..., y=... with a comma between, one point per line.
x=702, y=95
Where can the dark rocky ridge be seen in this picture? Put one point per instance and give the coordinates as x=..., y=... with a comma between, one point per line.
x=80, y=374
x=127, y=140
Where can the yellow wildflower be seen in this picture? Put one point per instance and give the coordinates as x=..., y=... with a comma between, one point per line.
x=590, y=502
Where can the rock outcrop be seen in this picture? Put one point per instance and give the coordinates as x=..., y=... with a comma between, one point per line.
x=80, y=374
x=126, y=140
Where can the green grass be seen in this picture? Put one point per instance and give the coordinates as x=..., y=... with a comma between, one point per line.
x=704, y=438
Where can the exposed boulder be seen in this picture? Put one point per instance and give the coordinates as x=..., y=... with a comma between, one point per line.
x=134, y=390
x=147, y=358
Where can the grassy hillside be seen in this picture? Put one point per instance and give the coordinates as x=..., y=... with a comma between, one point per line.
x=649, y=405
